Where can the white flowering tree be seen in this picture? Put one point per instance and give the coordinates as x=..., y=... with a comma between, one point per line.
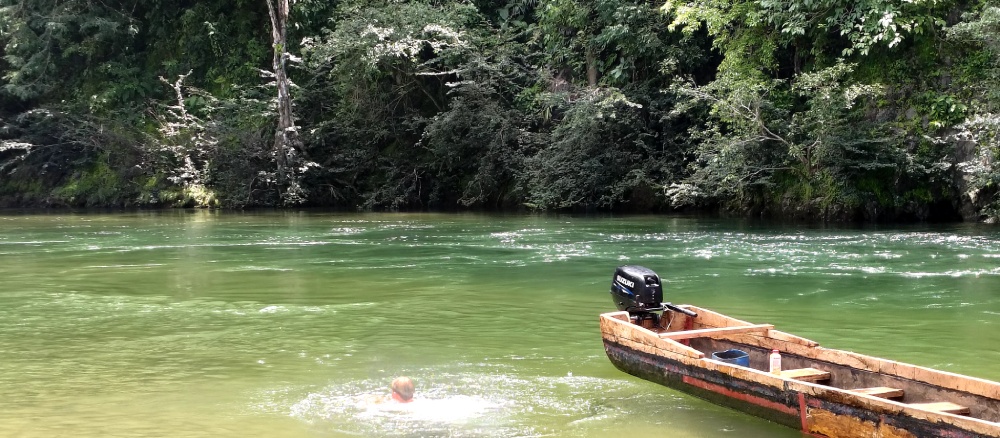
x=188, y=142
x=290, y=165
x=981, y=130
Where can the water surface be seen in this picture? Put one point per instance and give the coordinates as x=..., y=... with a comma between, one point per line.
x=286, y=324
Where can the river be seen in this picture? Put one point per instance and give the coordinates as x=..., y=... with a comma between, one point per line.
x=286, y=324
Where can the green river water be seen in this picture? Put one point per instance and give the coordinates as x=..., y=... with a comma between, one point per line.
x=286, y=324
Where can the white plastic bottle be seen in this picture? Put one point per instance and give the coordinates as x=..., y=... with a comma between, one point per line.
x=775, y=362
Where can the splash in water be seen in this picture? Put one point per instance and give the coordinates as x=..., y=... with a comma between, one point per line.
x=457, y=405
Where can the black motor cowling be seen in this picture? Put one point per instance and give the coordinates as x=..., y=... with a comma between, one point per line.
x=636, y=289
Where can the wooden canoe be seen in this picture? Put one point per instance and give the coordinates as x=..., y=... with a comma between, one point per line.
x=821, y=391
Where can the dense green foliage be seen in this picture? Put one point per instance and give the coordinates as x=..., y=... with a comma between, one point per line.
x=821, y=109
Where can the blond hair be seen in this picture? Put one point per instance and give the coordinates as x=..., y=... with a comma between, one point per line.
x=404, y=387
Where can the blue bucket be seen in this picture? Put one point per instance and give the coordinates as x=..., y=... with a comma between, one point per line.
x=735, y=357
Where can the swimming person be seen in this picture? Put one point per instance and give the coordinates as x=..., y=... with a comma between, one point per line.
x=402, y=393
x=402, y=389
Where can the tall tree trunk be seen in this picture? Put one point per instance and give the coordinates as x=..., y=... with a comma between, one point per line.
x=591, y=67
x=286, y=137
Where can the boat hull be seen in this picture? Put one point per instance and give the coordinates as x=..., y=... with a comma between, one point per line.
x=815, y=409
x=791, y=408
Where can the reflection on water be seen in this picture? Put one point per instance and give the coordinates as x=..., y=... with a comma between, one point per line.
x=284, y=324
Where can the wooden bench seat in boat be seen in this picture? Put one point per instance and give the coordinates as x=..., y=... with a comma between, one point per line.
x=806, y=374
x=700, y=333
x=947, y=407
x=880, y=391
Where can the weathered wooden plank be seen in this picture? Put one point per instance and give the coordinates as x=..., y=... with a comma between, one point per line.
x=975, y=425
x=709, y=319
x=972, y=385
x=806, y=374
x=623, y=315
x=684, y=349
x=642, y=339
x=782, y=336
x=690, y=334
x=879, y=391
x=822, y=422
x=674, y=321
x=848, y=358
x=766, y=342
x=947, y=407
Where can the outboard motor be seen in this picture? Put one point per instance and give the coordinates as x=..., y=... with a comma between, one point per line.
x=638, y=290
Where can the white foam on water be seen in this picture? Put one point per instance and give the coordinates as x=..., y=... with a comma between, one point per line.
x=32, y=242
x=144, y=265
x=466, y=404
x=346, y=231
x=954, y=274
x=373, y=414
x=451, y=409
x=253, y=268
x=273, y=309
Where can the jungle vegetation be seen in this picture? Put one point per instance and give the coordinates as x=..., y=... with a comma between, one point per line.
x=870, y=110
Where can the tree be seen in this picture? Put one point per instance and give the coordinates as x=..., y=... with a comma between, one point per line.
x=979, y=167
x=607, y=42
x=594, y=159
x=286, y=138
x=45, y=42
x=757, y=144
x=382, y=75
x=753, y=31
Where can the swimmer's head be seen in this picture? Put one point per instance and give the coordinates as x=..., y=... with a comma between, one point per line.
x=402, y=389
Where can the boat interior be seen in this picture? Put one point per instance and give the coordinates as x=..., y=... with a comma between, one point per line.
x=804, y=360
